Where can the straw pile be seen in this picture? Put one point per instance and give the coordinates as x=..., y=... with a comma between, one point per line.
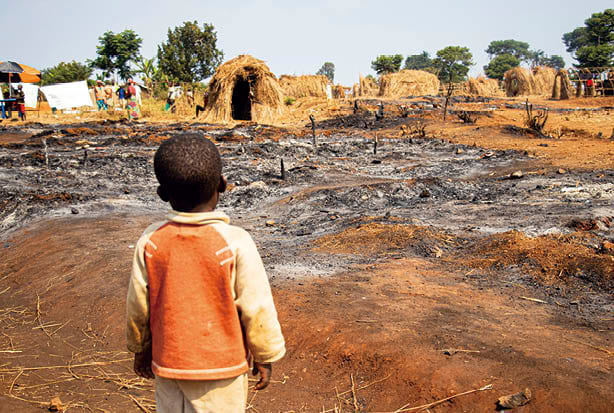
x=562, y=88
x=521, y=82
x=408, y=83
x=338, y=92
x=482, y=86
x=367, y=86
x=267, y=103
x=304, y=86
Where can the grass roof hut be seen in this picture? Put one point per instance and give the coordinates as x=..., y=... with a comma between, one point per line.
x=522, y=82
x=482, y=86
x=408, y=83
x=244, y=89
x=562, y=88
x=304, y=86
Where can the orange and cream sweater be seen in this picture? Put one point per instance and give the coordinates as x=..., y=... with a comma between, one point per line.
x=199, y=295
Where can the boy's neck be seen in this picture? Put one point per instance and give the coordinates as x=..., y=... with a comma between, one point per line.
x=207, y=206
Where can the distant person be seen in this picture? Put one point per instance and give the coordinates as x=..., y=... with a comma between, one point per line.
x=108, y=94
x=199, y=301
x=170, y=99
x=121, y=96
x=134, y=111
x=205, y=100
x=20, y=101
x=100, y=95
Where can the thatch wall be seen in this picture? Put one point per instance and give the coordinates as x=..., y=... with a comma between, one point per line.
x=267, y=103
x=562, y=88
x=408, y=83
x=482, y=86
x=522, y=82
x=304, y=86
x=367, y=86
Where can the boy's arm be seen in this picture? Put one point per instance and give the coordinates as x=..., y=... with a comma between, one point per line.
x=255, y=303
x=137, y=304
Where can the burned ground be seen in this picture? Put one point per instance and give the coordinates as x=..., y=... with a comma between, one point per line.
x=379, y=259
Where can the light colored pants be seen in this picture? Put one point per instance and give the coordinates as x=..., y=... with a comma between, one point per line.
x=201, y=396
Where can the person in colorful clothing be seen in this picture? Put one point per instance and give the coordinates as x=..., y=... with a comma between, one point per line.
x=108, y=94
x=134, y=112
x=21, y=102
x=100, y=95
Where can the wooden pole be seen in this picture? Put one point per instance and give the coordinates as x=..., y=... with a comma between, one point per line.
x=313, y=130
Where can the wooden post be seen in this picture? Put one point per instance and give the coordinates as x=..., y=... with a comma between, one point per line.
x=445, y=108
x=283, y=169
x=313, y=130
x=375, y=145
x=44, y=140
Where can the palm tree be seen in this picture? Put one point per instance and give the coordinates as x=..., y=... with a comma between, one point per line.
x=148, y=69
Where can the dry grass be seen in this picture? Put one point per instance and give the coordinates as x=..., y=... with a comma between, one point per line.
x=482, y=86
x=367, y=86
x=304, y=86
x=408, y=83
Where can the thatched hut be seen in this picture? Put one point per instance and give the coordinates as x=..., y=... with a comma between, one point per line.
x=562, y=88
x=483, y=86
x=408, y=83
x=522, y=82
x=244, y=89
x=367, y=86
x=304, y=86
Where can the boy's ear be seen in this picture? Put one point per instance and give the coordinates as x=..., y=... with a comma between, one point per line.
x=162, y=194
x=223, y=185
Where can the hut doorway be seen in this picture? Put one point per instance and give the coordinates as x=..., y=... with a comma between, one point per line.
x=241, y=100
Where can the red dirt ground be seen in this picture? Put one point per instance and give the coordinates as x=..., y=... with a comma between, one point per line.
x=389, y=321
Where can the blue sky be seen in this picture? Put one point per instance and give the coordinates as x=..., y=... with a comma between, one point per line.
x=293, y=37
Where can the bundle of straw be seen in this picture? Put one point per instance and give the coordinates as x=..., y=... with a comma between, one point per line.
x=408, y=83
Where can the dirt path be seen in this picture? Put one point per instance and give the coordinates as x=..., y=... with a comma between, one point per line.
x=388, y=320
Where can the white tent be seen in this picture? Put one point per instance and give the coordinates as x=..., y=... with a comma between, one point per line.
x=68, y=95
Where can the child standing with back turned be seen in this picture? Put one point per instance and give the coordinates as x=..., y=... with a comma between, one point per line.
x=199, y=300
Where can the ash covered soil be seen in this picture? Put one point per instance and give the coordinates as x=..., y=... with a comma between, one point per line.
x=383, y=258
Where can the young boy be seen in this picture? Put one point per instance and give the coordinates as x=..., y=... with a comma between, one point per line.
x=199, y=300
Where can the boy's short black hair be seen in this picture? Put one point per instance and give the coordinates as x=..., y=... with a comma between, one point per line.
x=188, y=168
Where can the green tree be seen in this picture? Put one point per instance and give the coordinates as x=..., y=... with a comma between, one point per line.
x=65, y=72
x=518, y=49
x=328, y=70
x=554, y=61
x=501, y=64
x=453, y=63
x=420, y=61
x=593, y=44
x=116, y=51
x=387, y=64
x=190, y=53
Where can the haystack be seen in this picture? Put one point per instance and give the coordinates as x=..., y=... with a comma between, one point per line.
x=368, y=86
x=482, y=86
x=244, y=89
x=408, y=83
x=562, y=85
x=339, y=92
x=522, y=82
x=304, y=86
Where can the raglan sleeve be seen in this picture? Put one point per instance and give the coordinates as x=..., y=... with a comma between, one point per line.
x=137, y=303
x=255, y=303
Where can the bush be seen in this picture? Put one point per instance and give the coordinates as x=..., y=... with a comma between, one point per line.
x=289, y=100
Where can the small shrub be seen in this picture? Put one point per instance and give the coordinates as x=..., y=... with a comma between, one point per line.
x=289, y=100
